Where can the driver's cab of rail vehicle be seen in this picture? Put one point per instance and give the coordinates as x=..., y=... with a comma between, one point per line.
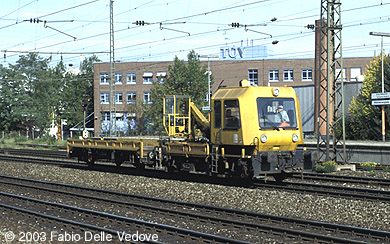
x=276, y=112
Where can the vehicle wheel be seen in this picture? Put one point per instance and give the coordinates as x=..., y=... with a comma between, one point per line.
x=138, y=164
x=172, y=166
x=280, y=177
x=118, y=162
x=90, y=158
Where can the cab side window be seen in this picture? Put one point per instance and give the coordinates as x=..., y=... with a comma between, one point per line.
x=217, y=114
x=231, y=115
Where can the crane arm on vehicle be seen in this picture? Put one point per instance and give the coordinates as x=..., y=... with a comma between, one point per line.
x=199, y=118
x=180, y=115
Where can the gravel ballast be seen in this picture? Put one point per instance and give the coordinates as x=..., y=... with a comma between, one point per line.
x=366, y=214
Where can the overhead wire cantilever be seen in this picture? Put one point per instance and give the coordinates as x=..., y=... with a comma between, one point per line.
x=246, y=29
x=161, y=28
x=37, y=20
x=46, y=26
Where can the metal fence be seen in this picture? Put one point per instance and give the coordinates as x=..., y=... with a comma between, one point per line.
x=28, y=135
x=306, y=99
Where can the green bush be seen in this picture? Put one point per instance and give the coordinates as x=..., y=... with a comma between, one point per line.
x=13, y=137
x=49, y=140
x=368, y=166
x=19, y=139
x=326, y=167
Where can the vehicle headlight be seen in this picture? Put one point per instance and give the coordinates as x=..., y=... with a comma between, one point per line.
x=275, y=92
x=263, y=138
x=295, y=137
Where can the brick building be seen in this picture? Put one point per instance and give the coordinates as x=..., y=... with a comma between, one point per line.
x=134, y=79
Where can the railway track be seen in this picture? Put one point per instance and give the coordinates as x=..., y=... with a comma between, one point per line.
x=214, y=218
x=327, y=190
x=108, y=223
x=320, y=189
x=361, y=152
x=356, y=151
x=34, y=153
x=344, y=179
x=60, y=159
x=61, y=153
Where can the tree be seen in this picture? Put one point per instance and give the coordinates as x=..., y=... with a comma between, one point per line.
x=11, y=99
x=76, y=88
x=183, y=79
x=23, y=90
x=364, y=119
x=32, y=94
x=136, y=125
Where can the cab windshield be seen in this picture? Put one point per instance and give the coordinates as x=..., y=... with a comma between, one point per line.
x=276, y=112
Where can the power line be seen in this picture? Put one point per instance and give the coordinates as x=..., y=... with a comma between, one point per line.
x=18, y=9
x=215, y=11
x=66, y=9
x=176, y=38
x=38, y=52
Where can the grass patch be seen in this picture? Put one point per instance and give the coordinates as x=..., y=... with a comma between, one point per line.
x=368, y=166
x=13, y=140
x=326, y=167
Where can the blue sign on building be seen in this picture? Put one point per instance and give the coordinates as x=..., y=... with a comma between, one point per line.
x=244, y=52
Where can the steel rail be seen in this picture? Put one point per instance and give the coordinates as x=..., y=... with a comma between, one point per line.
x=354, y=149
x=178, y=231
x=38, y=160
x=328, y=190
x=343, y=179
x=330, y=229
x=34, y=152
x=63, y=220
x=360, y=193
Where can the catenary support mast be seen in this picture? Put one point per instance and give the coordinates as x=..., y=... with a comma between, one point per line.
x=112, y=74
x=330, y=117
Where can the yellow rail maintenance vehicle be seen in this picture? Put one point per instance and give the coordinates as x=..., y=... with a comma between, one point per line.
x=252, y=132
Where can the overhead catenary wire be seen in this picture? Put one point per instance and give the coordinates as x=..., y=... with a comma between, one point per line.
x=2, y=17
x=189, y=16
x=66, y=9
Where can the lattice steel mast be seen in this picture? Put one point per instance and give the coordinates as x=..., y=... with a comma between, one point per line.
x=331, y=119
x=112, y=74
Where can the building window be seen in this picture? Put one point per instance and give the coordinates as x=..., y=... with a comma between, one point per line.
x=273, y=75
x=148, y=77
x=288, y=75
x=161, y=76
x=131, y=97
x=147, y=98
x=104, y=98
x=131, y=78
x=307, y=75
x=356, y=74
x=338, y=74
x=119, y=116
x=106, y=116
x=118, y=78
x=253, y=77
x=131, y=117
x=118, y=98
x=104, y=78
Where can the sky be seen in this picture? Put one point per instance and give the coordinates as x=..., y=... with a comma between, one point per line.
x=71, y=30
